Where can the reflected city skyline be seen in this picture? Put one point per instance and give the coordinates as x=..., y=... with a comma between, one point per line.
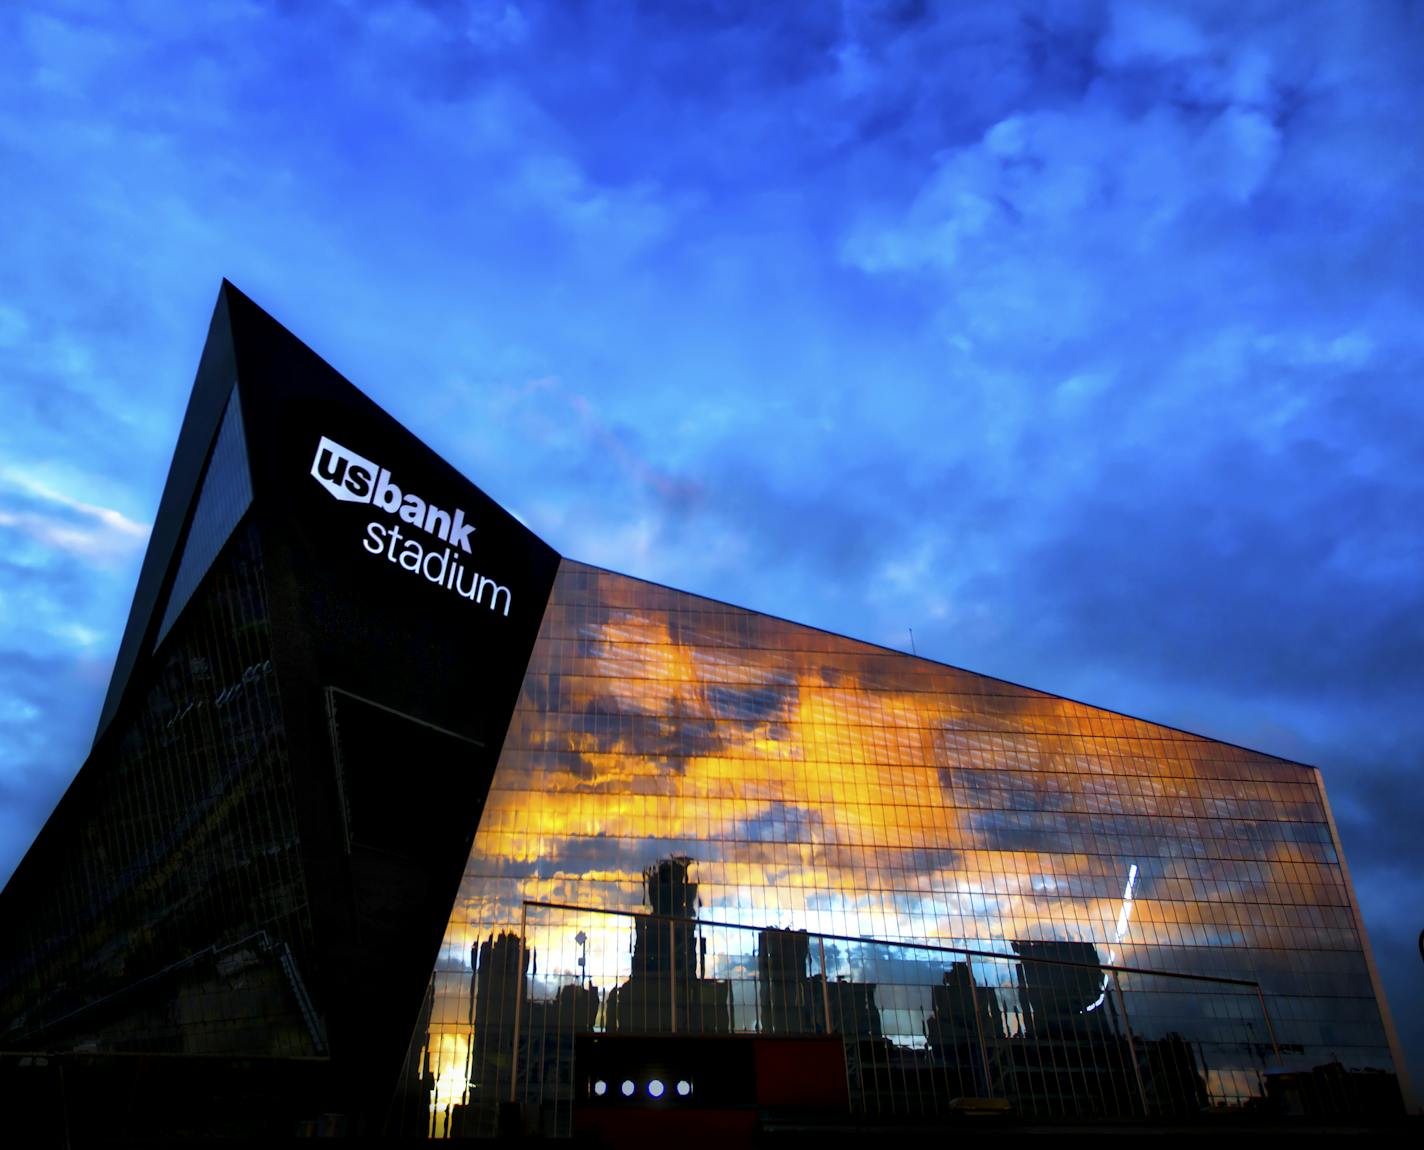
x=1035, y=1039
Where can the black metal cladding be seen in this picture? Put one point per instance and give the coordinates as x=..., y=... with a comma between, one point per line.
x=163, y=910
x=151, y=913
x=347, y=618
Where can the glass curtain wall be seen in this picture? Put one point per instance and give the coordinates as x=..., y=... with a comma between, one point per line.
x=676, y=756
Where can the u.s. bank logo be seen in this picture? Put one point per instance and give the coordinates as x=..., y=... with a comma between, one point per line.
x=342, y=472
x=353, y=478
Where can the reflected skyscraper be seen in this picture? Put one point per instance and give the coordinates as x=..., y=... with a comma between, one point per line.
x=1058, y=984
x=667, y=989
x=965, y=1032
x=500, y=965
x=790, y=1000
x=1073, y=1060
x=512, y=1025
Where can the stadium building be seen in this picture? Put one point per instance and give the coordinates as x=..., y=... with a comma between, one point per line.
x=397, y=821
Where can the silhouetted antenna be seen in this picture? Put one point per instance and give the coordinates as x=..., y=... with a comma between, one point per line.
x=912, y=643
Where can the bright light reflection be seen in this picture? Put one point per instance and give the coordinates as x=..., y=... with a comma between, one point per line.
x=448, y=1054
x=1122, y=916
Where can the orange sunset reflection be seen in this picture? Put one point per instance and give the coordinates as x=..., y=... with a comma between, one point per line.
x=816, y=783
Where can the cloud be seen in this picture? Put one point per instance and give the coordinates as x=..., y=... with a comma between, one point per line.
x=59, y=522
x=13, y=326
x=1140, y=34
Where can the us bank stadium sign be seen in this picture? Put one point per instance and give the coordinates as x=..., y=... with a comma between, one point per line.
x=351, y=478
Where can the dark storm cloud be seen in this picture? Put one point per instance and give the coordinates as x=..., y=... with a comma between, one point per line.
x=1268, y=571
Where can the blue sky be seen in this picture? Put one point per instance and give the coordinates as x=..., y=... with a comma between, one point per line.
x=1083, y=338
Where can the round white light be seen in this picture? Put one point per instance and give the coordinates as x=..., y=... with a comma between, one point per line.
x=600, y=1088
x=628, y=1088
x=655, y=1088
x=684, y=1087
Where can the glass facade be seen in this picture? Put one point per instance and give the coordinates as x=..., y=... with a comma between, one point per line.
x=769, y=797
x=170, y=915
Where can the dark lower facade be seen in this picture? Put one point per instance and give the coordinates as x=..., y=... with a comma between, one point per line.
x=399, y=824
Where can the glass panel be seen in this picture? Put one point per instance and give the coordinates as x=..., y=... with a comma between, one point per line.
x=971, y=856
x=224, y=498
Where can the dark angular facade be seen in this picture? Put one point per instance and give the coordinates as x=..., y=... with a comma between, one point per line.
x=365, y=726
x=250, y=862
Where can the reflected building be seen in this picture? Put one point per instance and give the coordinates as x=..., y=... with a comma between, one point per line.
x=1069, y=1058
x=1058, y=983
x=1174, y=1081
x=668, y=990
x=511, y=1025
x=790, y=997
x=500, y=964
x=389, y=801
x=966, y=1034
x=794, y=1001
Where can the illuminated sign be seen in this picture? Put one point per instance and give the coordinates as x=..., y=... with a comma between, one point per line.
x=352, y=478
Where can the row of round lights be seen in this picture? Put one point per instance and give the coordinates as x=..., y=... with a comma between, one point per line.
x=656, y=1088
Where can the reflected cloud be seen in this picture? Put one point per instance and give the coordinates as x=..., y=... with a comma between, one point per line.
x=802, y=782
